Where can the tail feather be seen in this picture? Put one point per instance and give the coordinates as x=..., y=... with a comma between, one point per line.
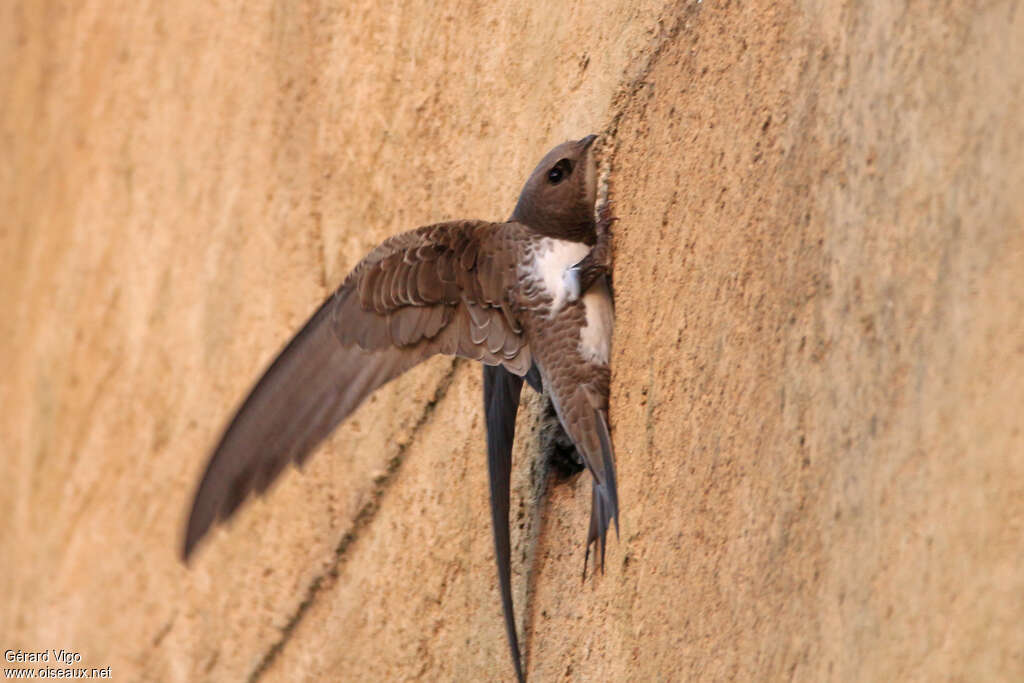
x=604, y=499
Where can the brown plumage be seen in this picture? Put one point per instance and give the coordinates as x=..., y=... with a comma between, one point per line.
x=500, y=293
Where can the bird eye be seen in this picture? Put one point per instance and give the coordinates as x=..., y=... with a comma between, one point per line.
x=560, y=171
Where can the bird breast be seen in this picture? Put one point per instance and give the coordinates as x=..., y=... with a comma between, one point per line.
x=551, y=258
x=545, y=274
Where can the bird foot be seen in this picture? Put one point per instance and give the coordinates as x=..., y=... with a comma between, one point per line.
x=578, y=278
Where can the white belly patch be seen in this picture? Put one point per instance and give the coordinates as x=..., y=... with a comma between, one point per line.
x=550, y=261
x=596, y=337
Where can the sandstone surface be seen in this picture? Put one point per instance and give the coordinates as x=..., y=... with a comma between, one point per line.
x=818, y=363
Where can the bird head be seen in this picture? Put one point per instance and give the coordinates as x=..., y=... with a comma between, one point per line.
x=558, y=198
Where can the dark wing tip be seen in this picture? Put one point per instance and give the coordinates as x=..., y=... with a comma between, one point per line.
x=292, y=407
x=501, y=403
x=191, y=539
x=200, y=519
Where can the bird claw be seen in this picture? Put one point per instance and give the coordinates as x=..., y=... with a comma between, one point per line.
x=577, y=278
x=606, y=217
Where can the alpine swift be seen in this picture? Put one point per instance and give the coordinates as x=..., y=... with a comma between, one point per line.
x=527, y=297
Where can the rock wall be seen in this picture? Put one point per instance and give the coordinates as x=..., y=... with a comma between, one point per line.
x=818, y=367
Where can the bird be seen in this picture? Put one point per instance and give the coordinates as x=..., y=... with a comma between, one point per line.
x=527, y=297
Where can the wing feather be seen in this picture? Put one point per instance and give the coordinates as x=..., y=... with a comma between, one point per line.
x=416, y=295
x=502, y=390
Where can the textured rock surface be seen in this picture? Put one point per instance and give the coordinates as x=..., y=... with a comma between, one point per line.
x=818, y=362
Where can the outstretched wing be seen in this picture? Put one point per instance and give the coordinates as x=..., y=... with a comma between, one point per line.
x=439, y=289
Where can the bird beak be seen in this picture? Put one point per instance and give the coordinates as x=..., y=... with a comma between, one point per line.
x=588, y=141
